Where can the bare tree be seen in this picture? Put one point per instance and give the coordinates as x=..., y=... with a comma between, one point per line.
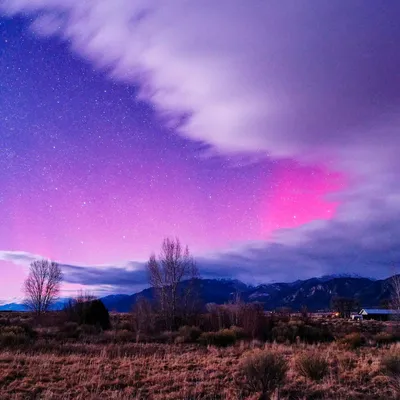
x=344, y=306
x=42, y=285
x=143, y=317
x=395, y=301
x=172, y=276
x=395, y=292
x=84, y=296
x=234, y=309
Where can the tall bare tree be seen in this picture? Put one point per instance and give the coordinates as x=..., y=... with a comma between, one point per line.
x=395, y=301
x=143, y=317
x=344, y=306
x=395, y=292
x=42, y=285
x=167, y=272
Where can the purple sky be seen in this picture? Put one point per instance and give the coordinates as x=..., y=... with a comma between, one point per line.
x=263, y=134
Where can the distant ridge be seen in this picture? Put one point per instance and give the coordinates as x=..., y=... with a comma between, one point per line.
x=315, y=293
x=332, y=276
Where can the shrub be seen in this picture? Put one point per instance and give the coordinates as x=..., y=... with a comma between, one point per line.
x=13, y=339
x=316, y=334
x=180, y=340
x=391, y=364
x=88, y=329
x=240, y=333
x=207, y=338
x=123, y=326
x=384, y=338
x=124, y=336
x=188, y=334
x=353, y=340
x=96, y=313
x=293, y=331
x=263, y=371
x=347, y=361
x=69, y=330
x=312, y=365
x=92, y=312
x=166, y=337
x=222, y=338
x=14, y=335
x=282, y=332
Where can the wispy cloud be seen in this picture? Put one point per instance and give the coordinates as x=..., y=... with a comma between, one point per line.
x=369, y=248
x=18, y=257
x=99, y=278
x=117, y=279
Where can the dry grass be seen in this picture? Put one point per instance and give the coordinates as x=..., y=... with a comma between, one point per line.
x=312, y=365
x=140, y=371
x=54, y=359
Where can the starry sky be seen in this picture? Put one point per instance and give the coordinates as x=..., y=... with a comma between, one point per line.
x=265, y=136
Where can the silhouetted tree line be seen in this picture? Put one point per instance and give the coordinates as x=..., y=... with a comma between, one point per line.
x=177, y=308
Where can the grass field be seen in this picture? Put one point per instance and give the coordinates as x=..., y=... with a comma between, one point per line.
x=57, y=359
x=167, y=371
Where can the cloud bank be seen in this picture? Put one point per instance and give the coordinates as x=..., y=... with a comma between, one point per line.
x=293, y=79
x=311, y=250
x=313, y=81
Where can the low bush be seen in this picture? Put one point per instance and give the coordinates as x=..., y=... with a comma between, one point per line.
x=347, y=361
x=384, y=338
x=166, y=337
x=391, y=364
x=293, y=331
x=312, y=365
x=88, y=329
x=239, y=333
x=123, y=326
x=262, y=371
x=12, y=339
x=282, y=332
x=188, y=334
x=11, y=335
x=222, y=338
x=124, y=336
x=316, y=334
x=69, y=330
x=353, y=340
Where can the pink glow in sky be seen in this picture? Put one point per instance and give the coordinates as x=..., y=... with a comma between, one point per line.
x=300, y=195
x=117, y=221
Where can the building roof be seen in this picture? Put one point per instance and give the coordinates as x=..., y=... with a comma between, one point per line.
x=378, y=311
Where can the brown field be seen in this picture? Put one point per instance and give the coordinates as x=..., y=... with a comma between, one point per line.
x=109, y=365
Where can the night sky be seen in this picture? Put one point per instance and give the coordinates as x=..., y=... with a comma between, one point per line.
x=265, y=136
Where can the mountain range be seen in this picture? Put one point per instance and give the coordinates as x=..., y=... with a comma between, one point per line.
x=315, y=293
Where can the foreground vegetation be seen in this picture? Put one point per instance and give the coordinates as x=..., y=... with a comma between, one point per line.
x=168, y=371
x=60, y=359
x=175, y=347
